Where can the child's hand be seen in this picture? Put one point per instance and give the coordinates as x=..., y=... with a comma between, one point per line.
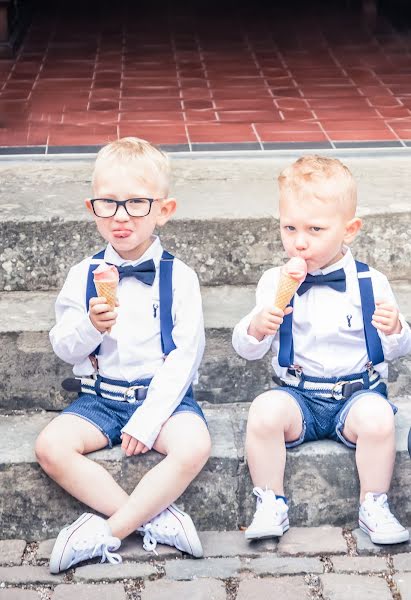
x=130, y=446
x=101, y=315
x=386, y=318
x=267, y=322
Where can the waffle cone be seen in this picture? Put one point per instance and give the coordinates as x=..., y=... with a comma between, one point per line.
x=108, y=289
x=287, y=287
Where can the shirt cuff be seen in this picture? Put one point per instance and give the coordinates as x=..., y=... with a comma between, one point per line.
x=145, y=434
x=396, y=338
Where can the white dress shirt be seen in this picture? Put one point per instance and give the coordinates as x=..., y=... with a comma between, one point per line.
x=133, y=348
x=328, y=331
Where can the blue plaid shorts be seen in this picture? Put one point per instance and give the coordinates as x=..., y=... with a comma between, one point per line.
x=324, y=418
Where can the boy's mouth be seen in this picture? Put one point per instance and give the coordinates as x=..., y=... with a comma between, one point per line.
x=122, y=233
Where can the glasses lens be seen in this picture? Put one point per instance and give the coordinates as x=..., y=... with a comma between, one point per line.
x=104, y=207
x=138, y=207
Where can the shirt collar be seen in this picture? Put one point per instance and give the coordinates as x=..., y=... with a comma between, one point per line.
x=343, y=263
x=154, y=251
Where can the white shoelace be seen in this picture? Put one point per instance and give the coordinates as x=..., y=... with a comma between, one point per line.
x=380, y=506
x=152, y=536
x=102, y=546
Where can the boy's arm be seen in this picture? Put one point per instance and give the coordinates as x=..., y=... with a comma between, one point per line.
x=394, y=345
x=245, y=344
x=174, y=377
x=74, y=337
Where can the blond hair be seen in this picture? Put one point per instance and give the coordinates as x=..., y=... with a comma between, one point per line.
x=139, y=155
x=328, y=179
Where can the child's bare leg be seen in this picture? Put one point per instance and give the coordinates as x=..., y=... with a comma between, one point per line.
x=274, y=419
x=60, y=448
x=185, y=441
x=370, y=424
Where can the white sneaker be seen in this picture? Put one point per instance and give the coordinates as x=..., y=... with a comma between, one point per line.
x=376, y=520
x=174, y=528
x=270, y=518
x=86, y=538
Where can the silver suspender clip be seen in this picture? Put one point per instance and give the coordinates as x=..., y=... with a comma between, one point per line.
x=297, y=369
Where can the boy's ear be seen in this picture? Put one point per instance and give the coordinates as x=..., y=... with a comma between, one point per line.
x=88, y=205
x=167, y=209
x=351, y=229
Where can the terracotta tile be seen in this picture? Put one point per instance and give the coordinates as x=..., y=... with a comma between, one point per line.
x=154, y=92
x=221, y=132
x=286, y=93
x=345, y=114
x=163, y=134
x=404, y=134
x=147, y=104
x=104, y=105
x=338, y=103
x=197, y=104
x=384, y=101
x=240, y=116
x=291, y=103
x=244, y=104
x=196, y=93
x=365, y=125
x=361, y=135
x=394, y=112
x=143, y=116
x=78, y=117
x=296, y=115
x=290, y=136
x=291, y=126
x=198, y=116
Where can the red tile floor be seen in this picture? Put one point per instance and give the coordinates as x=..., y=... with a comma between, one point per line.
x=192, y=79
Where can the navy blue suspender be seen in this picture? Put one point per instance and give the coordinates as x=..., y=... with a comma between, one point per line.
x=372, y=339
x=166, y=297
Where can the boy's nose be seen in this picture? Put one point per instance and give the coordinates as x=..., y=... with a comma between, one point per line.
x=121, y=214
x=300, y=242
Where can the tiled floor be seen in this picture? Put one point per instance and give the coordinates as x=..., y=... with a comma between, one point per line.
x=195, y=79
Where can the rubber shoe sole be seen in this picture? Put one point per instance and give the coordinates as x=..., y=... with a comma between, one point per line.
x=192, y=543
x=57, y=564
x=387, y=538
x=277, y=531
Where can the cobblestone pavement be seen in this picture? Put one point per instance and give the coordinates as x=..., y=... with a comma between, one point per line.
x=320, y=563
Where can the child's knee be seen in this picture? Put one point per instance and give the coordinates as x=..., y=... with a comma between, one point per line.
x=50, y=452
x=375, y=417
x=269, y=412
x=45, y=450
x=194, y=458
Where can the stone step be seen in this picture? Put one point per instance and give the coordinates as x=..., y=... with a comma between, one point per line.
x=226, y=227
x=30, y=373
x=321, y=480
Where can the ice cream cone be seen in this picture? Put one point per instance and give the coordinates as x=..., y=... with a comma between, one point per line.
x=287, y=287
x=108, y=289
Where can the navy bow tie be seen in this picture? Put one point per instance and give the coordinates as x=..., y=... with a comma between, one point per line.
x=335, y=280
x=144, y=272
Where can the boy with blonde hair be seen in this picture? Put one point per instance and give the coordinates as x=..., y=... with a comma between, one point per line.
x=135, y=365
x=329, y=352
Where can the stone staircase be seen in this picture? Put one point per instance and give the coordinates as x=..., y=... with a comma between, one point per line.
x=226, y=229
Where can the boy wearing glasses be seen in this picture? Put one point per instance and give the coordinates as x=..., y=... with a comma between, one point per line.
x=134, y=368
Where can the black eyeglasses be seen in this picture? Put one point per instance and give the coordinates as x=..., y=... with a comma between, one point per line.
x=134, y=207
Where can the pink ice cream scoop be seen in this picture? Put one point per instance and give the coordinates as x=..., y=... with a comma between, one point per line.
x=292, y=275
x=105, y=272
x=106, y=281
x=296, y=268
